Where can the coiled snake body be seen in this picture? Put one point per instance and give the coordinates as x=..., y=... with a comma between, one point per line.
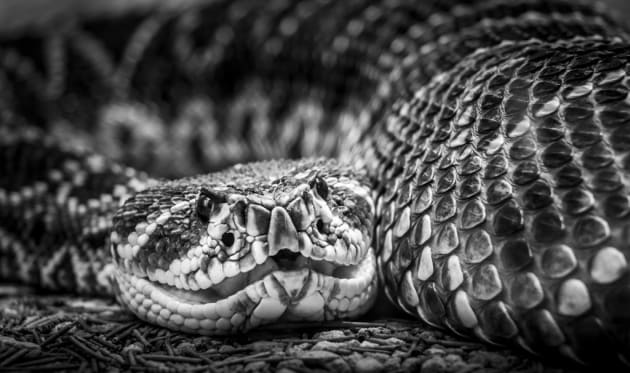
x=482, y=166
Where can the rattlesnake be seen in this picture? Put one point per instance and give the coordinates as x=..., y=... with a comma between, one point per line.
x=480, y=166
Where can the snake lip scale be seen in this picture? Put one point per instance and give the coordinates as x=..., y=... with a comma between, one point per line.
x=475, y=165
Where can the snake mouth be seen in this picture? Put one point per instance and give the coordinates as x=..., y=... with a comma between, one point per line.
x=286, y=287
x=285, y=261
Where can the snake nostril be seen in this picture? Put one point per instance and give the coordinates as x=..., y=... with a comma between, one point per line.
x=286, y=259
x=321, y=187
x=228, y=239
x=319, y=224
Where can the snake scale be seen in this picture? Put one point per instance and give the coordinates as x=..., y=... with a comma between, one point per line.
x=476, y=164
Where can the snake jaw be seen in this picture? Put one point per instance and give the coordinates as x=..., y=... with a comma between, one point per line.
x=294, y=252
x=280, y=295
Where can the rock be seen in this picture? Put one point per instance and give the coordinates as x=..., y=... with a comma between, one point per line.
x=489, y=359
x=291, y=364
x=453, y=359
x=330, y=334
x=364, y=333
x=455, y=363
x=338, y=366
x=317, y=356
x=399, y=354
x=367, y=365
x=393, y=363
x=434, y=364
x=135, y=347
x=435, y=350
x=369, y=344
x=412, y=364
x=226, y=349
x=297, y=348
x=286, y=370
x=256, y=366
x=333, y=346
x=325, y=359
x=393, y=341
x=380, y=356
x=184, y=347
x=267, y=346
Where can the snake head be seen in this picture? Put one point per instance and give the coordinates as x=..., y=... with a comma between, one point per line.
x=258, y=243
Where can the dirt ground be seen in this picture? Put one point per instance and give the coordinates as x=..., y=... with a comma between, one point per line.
x=57, y=333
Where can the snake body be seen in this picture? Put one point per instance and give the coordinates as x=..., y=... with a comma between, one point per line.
x=482, y=166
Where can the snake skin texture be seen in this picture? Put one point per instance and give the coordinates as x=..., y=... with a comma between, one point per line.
x=491, y=135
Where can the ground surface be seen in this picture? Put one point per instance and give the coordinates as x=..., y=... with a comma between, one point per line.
x=58, y=333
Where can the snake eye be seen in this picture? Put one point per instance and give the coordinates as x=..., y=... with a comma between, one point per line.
x=321, y=187
x=228, y=239
x=206, y=203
